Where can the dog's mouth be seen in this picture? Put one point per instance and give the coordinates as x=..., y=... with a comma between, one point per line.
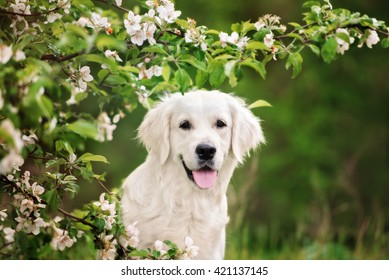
x=204, y=178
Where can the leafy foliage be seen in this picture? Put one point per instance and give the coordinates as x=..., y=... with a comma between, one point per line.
x=57, y=55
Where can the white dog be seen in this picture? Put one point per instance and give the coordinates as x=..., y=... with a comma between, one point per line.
x=194, y=143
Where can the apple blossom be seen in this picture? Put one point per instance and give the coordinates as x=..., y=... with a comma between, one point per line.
x=190, y=250
x=5, y=53
x=269, y=40
x=109, y=250
x=105, y=128
x=105, y=205
x=372, y=39
x=132, y=23
x=343, y=45
x=3, y=215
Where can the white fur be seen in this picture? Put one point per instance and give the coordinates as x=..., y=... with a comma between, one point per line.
x=159, y=195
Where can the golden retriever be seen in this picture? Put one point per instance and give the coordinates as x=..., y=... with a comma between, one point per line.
x=194, y=142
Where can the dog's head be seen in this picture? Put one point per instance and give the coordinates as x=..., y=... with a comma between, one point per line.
x=200, y=131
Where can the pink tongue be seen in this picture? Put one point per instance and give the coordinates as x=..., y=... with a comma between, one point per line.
x=205, y=179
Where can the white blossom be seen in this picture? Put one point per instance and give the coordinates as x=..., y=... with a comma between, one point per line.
x=242, y=42
x=158, y=246
x=72, y=158
x=29, y=225
x=196, y=36
x=76, y=90
x=52, y=17
x=109, y=251
x=190, y=251
x=114, y=54
x=19, y=55
x=343, y=45
x=61, y=240
x=37, y=190
x=105, y=205
x=259, y=24
x=118, y=2
x=372, y=38
x=132, y=23
x=132, y=236
x=9, y=234
x=105, y=128
x=20, y=7
x=5, y=53
x=269, y=40
x=26, y=204
x=167, y=13
x=132, y=229
x=149, y=29
x=84, y=77
x=65, y=5
x=138, y=37
x=10, y=162
x=3, y=215
x=233, y=38
x=29, y=139
x=223, y=39
x=149, y=73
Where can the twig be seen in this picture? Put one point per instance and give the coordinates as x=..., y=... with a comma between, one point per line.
x=104, y=187
x=116, y=6
x=76, y=218
x=62, y=58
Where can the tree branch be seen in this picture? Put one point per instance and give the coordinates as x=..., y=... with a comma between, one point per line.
x=53, y=57
x=76, y=218
x=116, y=6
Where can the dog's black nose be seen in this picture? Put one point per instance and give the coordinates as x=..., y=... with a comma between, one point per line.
x=205, y=151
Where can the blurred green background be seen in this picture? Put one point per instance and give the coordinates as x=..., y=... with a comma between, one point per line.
x=319, y=188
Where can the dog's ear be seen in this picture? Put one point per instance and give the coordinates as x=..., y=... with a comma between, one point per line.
x=154, y=131
x=246, y=129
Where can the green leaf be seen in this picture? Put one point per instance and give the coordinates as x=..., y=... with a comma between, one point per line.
x=87, y=173
x=166, y=71
x=315, y=49
x=99, y=223
x=259, y=103
x=343, y=36
x=309, y=4
x=154, y=49
x=87, y=157
x=183, y=79
x=139, y=253
x=255, y=45
x=201, y=78
x=217, y=76
x=63, y=145
x=256, y=65
x=105, y=41
x=193, y=61
x=295, y=60
x=84, y=128
x=52, y=199
x=385, y=43
x=328, y=50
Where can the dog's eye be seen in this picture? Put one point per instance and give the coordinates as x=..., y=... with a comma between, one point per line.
x=220, y=124
x=185, y=125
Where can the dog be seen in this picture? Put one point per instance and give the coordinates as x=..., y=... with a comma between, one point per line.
x=194, y=143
